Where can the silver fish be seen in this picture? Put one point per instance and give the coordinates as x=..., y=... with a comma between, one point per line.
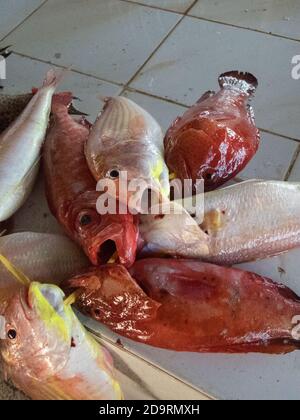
x=20, y=147
x=245, y=222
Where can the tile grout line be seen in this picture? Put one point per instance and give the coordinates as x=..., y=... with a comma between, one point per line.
x=264, y=130
x=126, y=85
x=292, y=164
x=149, y=6
x=171, y=101
x=119, y=84
x=212, y=20
x=232, y=25
x=23, y=21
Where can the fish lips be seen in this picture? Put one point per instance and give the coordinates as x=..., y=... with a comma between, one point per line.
x=114, y=238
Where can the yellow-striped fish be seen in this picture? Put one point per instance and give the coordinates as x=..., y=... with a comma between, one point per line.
x=45, y=350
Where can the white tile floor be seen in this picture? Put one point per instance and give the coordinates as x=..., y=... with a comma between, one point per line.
x=157, y=55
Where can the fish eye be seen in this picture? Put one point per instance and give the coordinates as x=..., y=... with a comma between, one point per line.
x=209, y=176
x=12, y=334
x=85, y=220
x=114, y=174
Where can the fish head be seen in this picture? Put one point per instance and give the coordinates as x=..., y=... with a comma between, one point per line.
x=109, y=294
x=102, y=236
x=170, y=230
x=37, y=333
x=125, y=149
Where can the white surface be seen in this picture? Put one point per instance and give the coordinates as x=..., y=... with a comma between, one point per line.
x=197, y=52
x=295, y=174
x=113, y=42
x=272, y=160
x=13, y=12
x=109, y=39
x=281, y=17
x=174, y=5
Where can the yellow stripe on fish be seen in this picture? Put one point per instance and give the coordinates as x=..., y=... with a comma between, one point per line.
x=19, y=276
x=48, y=314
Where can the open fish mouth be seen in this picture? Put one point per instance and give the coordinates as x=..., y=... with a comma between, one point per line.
x=104, y=250
x=115, y=243
x=107, y=251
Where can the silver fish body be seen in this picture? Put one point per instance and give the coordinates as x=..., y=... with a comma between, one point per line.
x=245, y=222
x=20, y=147
x=172, y=231
x=252, y=220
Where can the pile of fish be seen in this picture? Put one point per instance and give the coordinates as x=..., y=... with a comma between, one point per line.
x=161, y=279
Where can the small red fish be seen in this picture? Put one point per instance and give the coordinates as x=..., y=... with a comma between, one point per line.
x=186, y=305
x=72, y=195
x=217, y=137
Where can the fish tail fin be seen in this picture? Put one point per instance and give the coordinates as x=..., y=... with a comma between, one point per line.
x=53, y=78
x=5, y=52
x=63, y=101
x=244, y=82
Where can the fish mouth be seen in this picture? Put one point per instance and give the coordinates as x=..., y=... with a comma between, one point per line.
x=116, y=243
x=106, y=252
x=105, y=249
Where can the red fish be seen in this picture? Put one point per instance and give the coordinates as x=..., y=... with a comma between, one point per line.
x=186, y=305
x=72, y=195
x=217, y=137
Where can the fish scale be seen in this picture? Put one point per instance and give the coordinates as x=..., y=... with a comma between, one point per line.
x=245, y=222
x=20, y=147
x=261, y=220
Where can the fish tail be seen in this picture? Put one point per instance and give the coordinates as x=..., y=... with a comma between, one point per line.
x=244, y=82
x=53, y=78
x=5, y=52
x=62, y=98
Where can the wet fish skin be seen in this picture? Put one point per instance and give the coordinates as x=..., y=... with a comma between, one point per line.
x=72, y=195
x=216, y=138
x=47, y=353
x=126, y=138
x=257, y=220
x=249, y=221
x=185, y=305
x=173, y=232
x=20, y=147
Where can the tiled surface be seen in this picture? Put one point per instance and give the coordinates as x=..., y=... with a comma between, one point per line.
x=190, y=61
x=180, y=6
x=295, y=174
x=272, y=160
x=74, y=32
x=164, y=112
x=13, y=12
x=281, y=17
x=112, y=39
x=24, y=73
